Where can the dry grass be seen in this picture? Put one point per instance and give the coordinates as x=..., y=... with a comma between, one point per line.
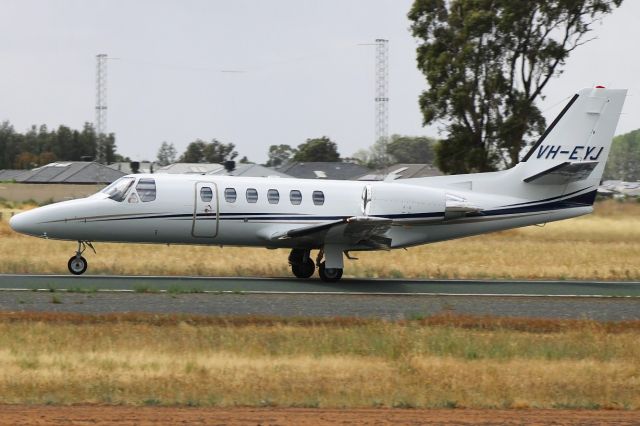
x=133, y=360
x=604, y=246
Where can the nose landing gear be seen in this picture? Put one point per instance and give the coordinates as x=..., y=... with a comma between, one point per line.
x=78, y=264
x=329, y=275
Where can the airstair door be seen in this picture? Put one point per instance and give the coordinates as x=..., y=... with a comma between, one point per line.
x=205, y=212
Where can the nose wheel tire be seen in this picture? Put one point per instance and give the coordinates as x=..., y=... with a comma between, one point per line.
x=329, y=275
x=304, y=269
x=77, y=265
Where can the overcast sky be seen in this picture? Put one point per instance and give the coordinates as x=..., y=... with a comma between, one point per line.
x=303, y=72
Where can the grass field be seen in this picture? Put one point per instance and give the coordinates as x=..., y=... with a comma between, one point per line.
x=436, y=362
x=605, y=245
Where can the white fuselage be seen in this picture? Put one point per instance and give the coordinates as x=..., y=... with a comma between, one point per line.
x=179, y=213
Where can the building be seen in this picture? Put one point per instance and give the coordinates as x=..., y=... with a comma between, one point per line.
x=190, y=168
x=77, y=172
x=402, y=171
x=250, y=170
x=324, y=170
x=125, y=167
x=10, y=175
x=57, y=181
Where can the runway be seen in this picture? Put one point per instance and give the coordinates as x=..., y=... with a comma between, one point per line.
x=388, y=299
x=184, y=284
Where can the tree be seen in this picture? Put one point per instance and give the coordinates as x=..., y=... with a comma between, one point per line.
x=194, y=152
x=106, y=148
x=218, y=152
x=9, y=141
x=26, y=160
x=318, y=149
x=401, y=149
x=486, y=63
x=624, y=158
x=279, y=155
x=166, y=154
x=378, y=156
x=85, y=143
x=215, y=151
x=411, y=149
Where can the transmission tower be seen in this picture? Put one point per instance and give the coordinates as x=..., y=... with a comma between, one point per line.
x=382, y=91
x=101, y=95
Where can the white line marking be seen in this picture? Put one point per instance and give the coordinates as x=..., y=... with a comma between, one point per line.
x=314, y=293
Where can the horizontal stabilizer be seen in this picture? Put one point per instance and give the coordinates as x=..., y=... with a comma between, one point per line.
x=563, y=173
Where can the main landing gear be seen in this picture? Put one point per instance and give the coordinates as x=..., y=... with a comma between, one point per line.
x=303, y=266
x=78, y=264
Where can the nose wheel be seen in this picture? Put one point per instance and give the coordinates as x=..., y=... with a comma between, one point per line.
x=77, y=264
x=329, y=275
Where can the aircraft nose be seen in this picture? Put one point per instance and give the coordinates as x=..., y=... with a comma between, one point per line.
x=23, y=222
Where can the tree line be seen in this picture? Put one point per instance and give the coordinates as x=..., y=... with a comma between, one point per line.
x=39, y=146
x=400, y=149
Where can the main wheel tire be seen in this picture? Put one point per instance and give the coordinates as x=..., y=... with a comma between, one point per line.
x=304, y=269
x=77, y=265
x=329, y=275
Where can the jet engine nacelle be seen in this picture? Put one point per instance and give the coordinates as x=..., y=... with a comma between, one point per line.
x=383, y=199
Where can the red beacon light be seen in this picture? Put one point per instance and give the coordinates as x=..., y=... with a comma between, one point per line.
x=600, y=87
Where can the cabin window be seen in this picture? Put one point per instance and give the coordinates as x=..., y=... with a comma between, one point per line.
x=318, y=198
x=206, y=194
x=230, y=195
x=117, y=191
x=146, y=189
x=295, y=196
x=273, y=196
x=252, y=195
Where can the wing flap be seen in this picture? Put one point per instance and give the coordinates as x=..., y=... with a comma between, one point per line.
x=306, y=231
x=353, y=230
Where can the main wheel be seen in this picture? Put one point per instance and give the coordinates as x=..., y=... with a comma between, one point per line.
x=77, y=265
x=304, y=269
x=329, y=275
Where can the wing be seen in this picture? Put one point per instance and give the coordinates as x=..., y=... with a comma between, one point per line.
x=365, y=230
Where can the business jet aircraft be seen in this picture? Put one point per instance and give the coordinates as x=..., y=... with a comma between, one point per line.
x=557, y=179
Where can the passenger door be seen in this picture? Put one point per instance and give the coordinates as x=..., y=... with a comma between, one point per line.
x=205, y=212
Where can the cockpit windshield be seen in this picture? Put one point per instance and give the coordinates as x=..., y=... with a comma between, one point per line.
x=118, y=189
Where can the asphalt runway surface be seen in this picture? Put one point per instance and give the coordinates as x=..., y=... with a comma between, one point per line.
x=390, y=299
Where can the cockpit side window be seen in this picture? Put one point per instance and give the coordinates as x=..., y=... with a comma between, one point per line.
x=117, y=191
x=146, y=188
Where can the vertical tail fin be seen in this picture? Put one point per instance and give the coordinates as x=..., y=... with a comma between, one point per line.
x=576, y=145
